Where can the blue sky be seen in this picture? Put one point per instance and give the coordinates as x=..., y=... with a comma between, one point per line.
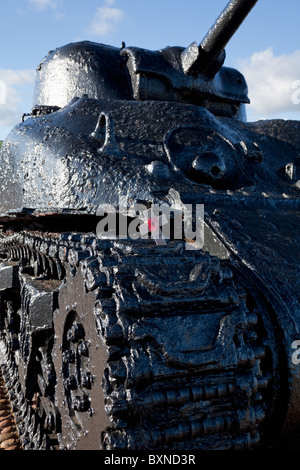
x=266, y=48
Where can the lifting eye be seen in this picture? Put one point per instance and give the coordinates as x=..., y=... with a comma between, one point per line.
x=99, y=134
x=104, y=136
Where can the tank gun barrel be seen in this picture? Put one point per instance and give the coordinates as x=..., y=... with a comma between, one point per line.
x=225, y=26
x=215, y=41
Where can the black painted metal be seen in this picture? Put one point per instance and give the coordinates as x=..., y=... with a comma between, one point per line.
x=224, y=28
x=126, y=344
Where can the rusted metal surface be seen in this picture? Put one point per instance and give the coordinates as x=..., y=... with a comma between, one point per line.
x=9, y=438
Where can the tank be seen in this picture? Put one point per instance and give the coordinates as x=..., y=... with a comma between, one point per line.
x=149, y=277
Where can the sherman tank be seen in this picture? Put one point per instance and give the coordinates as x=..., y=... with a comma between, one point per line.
x=116, y=333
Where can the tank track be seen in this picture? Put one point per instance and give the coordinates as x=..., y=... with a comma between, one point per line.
x=114, y=345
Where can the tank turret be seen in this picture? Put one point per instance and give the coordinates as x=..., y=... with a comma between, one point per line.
x=192, y=75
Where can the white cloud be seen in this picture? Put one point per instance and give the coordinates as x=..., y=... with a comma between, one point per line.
x=18, y=86
x=42, y=4
x=272, y=82
x=106, y=19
